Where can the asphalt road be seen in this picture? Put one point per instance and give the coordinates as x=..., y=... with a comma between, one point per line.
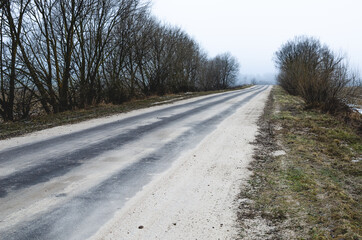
x=67, y=186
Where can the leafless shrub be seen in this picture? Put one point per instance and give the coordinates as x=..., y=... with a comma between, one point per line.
x=311, y=70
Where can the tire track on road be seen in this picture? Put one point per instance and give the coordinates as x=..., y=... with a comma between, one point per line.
x=57, y=166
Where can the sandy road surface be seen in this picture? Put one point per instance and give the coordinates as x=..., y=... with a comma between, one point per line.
x=167, y=172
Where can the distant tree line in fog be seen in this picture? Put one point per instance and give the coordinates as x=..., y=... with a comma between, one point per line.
x=59, y=55
x=322, y=78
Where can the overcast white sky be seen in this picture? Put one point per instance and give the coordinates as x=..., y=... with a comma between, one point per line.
x=252, y=30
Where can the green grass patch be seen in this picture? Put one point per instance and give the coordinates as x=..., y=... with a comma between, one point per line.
x=298, y=180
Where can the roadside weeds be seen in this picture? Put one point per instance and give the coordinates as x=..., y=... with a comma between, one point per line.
x=307, y=176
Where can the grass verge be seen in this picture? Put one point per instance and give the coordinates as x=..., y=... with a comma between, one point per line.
x=13, y=129
x=307, y=176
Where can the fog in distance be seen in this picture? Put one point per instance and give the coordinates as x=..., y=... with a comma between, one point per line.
x=253, y=30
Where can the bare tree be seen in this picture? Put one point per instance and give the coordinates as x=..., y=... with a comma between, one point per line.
x=67, y=54
x=14, y=13
x=221, y=72
x=96, y=37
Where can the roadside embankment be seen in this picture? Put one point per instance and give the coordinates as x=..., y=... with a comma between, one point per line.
x=307, y=176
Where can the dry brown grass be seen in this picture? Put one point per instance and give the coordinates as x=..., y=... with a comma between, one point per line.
x=314, y=191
